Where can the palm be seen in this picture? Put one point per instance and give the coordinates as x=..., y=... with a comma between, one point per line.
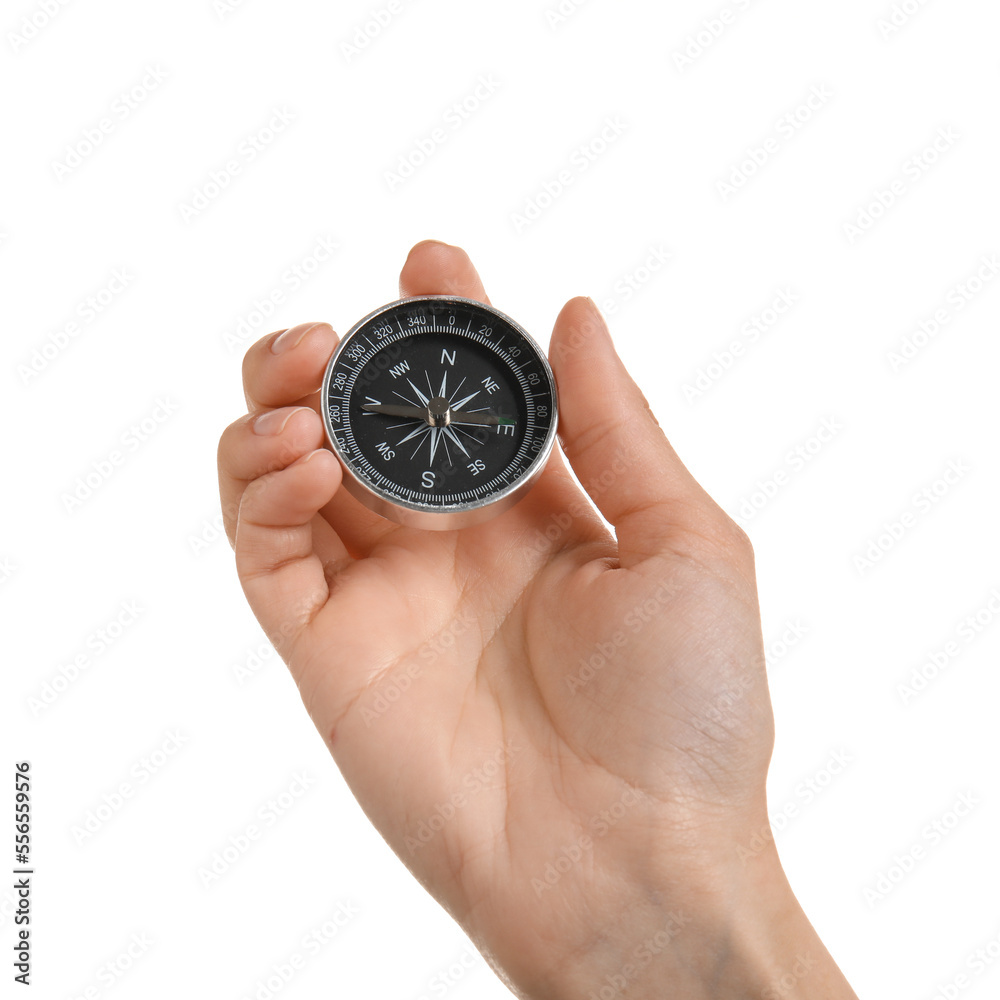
x=509, y=688
x=494, y=696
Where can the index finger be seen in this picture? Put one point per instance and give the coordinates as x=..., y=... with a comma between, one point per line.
x=436, y=268
x=286, y=368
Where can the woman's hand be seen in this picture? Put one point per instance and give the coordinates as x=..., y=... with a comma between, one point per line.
x=562, y=731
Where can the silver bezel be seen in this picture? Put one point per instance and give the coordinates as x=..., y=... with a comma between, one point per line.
x=423, y=515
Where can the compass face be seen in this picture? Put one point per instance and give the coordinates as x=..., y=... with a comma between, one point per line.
x=442, y=411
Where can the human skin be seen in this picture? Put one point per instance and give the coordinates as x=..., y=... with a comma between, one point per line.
x=572, y=757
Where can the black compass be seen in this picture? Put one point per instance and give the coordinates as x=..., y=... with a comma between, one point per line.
x=442, y=411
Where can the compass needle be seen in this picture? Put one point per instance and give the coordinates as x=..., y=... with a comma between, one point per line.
x=415, y=412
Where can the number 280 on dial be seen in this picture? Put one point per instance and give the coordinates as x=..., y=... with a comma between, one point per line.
x=441, y=409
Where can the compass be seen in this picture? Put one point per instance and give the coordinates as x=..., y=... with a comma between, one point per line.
x=442, y=411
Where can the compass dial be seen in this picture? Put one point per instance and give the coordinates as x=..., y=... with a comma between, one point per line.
x=441, y=409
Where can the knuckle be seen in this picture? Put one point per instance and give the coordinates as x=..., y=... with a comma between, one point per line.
x=738, y=537
x=720, y=535
x=252, y=361
x=592, y=438
x=736, y=542
x=248, y=362
x=232, y=440
x=227, y=440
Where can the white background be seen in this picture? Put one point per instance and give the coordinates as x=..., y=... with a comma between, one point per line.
x=148, y=533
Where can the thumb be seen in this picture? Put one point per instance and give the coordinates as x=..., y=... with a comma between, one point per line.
x=616, y=446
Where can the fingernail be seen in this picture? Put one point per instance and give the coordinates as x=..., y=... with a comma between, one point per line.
x=599, y=315
x=292, y=337
x=423, y=243
x=272, y=422
x=602, y=323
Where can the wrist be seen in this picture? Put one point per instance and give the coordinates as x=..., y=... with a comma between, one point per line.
x=734, y=930
x=766, y=946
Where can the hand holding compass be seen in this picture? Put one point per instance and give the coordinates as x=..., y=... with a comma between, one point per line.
x=546, y=668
